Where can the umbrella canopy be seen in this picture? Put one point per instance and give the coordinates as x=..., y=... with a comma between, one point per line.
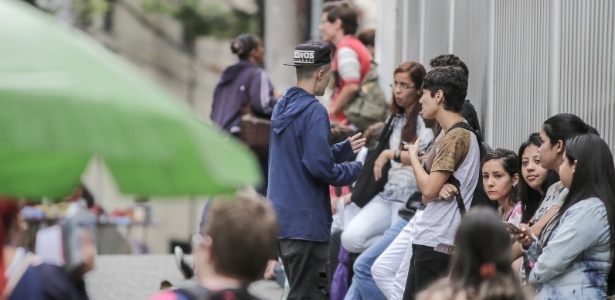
x=64, y=98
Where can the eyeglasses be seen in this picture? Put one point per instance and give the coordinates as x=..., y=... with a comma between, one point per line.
x=404, y=86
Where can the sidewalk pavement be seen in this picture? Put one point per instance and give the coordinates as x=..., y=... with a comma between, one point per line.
x=119, y=277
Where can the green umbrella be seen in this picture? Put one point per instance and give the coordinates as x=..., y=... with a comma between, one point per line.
x=64, y=99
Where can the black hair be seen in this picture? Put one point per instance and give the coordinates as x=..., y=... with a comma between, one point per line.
x=509, y=161
x=367, y=37
x=482, y=239
x=594, y=176
x=564, y=126
x=449, y=60
x=531, y=198
x=469, y=114
x=346, y=12
x=452, y=81
x=244, y=44
x=306, y=72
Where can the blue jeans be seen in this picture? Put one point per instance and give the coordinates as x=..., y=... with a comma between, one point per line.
x=363, y=285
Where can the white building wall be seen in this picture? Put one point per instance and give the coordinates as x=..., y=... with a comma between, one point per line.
x=528, y=59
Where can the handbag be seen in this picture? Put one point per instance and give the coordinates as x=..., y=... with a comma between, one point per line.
x=254, y=129
x=366, y=186
x=369, y=105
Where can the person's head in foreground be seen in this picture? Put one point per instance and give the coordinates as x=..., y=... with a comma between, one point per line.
x=481, y=262
x=236, y=241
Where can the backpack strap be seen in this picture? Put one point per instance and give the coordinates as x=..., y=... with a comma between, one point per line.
x=462, y=208
x=195, y=292
x=452, y=180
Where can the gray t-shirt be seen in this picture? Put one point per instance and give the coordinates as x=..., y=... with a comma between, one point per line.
x=460, y=154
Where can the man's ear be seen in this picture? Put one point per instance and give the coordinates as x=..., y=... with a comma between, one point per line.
x=337, y=23
x=439, y=97
x=320, y=74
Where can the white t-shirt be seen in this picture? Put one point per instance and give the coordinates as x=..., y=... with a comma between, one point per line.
x=459, y=153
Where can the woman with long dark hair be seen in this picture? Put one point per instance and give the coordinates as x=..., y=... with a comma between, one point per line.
x=366, y=232
x=535, y=180
x=574, y=255
x=553, y=135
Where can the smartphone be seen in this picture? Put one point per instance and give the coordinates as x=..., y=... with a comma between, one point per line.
x=422, y=152
x=512, y=227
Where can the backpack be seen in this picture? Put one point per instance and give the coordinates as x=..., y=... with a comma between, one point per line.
x=480, y=196
x=369, y=105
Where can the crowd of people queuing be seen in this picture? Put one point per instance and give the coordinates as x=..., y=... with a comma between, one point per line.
x=546, y=233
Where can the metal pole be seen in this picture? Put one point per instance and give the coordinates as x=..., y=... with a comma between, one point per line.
x=488, y=129
x=555, y=40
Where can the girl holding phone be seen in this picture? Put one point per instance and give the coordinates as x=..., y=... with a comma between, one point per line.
x=573, y=257
x=553, y=135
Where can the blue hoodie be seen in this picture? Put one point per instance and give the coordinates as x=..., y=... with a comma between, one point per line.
x=302, y=165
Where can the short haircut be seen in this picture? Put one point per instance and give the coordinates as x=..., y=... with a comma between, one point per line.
x=451, y=60
x=346, y=12
x=244, y=235
x=305, y=73
x=367, y=37
x=452, y=81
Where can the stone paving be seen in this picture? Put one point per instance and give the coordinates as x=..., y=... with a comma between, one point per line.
x=127, y=277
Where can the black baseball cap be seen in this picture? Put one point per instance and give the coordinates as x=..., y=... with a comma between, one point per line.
x=312, y=53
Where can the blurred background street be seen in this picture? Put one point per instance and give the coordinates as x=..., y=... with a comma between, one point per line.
x=139, y=276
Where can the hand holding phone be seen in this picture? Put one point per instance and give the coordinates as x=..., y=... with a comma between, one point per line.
x=512, y=228
x=421, y=152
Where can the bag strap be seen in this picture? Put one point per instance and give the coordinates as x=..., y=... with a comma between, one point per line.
x=388, y=130
x=28, y=260
x=195, y=292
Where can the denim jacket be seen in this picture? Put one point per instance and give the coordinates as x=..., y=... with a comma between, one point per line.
x=576, y=261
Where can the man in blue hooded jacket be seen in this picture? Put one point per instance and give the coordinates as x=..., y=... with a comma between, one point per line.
x=302, y=165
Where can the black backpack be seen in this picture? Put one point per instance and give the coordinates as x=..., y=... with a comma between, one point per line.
x=480, y=196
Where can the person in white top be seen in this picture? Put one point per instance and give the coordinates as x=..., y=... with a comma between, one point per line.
x=444, y=92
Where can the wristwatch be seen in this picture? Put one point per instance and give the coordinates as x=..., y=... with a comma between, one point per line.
x=397, y=156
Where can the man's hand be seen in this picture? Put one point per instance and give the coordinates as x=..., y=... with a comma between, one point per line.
x=357, y=142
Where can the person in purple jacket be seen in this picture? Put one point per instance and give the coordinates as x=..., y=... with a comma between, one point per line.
x=244, y=83
x=302, y=165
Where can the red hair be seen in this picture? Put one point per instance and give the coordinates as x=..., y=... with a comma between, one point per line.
x=8, y=212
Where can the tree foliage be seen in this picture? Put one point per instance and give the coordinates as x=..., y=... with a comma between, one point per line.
x=203, y=19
